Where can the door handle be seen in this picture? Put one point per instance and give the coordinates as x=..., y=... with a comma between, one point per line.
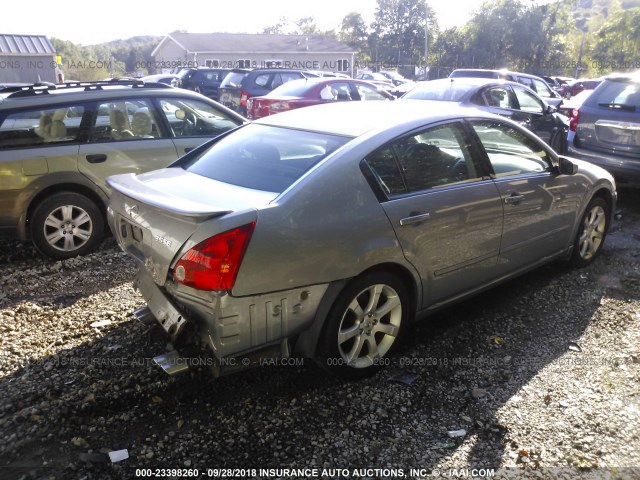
x=188, y=149
x=513, y=199
x=414, y=219
x=97, y=158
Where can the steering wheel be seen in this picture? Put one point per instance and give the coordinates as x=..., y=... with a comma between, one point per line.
x=190, y=126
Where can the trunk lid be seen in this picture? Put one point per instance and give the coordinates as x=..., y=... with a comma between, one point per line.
x=153, y=215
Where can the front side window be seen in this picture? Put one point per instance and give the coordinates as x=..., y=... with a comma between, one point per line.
x=193, y=118
x=263, y=157
x=41, y=127
x=528, y=102
x=542, y=89
x=510, y=151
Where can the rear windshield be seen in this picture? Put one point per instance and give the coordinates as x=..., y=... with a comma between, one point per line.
x=617, y=95
x=263, y=157
x=233, y=80
x=448, y=91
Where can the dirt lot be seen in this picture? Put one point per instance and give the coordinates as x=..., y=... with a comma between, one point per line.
x=536, y=379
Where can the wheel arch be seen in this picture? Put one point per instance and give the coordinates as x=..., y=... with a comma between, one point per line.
x=306, y=343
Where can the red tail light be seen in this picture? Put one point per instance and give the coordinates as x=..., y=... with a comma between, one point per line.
x=243, y=98
x=213, y=264
x=575, y=117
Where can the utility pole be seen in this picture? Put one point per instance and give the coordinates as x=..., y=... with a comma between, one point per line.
x=426, y=40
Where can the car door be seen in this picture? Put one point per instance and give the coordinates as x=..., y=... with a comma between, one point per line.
x=125, y=137
x=446, y=212
x=192, y=122
x=533, y=114
x=539, y=204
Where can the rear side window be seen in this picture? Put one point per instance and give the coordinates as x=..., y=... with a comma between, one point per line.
x=263, y=157
x=41, y=127
x=435, y=157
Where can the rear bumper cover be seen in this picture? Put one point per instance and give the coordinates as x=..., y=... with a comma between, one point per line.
x=229, y=325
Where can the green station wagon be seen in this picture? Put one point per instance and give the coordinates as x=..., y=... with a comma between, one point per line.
x=59, y=143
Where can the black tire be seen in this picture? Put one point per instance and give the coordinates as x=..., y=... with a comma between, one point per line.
x=591, y=232
x=66, y=225
x=367, y=338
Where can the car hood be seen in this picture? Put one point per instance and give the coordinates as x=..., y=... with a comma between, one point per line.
x=156, y=216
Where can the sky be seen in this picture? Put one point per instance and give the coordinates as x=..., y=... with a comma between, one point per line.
x=121, y=19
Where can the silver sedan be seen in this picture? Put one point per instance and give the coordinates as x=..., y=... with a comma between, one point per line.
x=323, y=232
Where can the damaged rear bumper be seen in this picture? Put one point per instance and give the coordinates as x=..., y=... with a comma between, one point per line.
x=255, y=327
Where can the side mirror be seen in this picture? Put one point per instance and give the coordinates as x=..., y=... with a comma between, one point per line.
x=566, y=166
x=550, y=109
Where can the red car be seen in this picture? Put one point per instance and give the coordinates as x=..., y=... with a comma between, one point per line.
x=576, y=86
x=313, y=91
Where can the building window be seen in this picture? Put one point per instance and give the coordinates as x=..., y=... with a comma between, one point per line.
x=343, y=65
x=246, y=63
x=212, y=63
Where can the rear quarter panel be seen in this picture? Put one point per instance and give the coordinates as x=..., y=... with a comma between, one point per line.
x=327, y=227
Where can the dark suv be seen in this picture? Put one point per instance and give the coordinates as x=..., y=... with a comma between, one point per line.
x=202, y=80
x=606, y=128
x=238, y=87
x=536, y=84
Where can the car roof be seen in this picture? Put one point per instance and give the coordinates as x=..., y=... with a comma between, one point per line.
x=84, y=91
x=353, y=119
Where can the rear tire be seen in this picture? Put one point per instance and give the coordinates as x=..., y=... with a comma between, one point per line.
x=66, y=225
x=591, y=233
x=365, y=325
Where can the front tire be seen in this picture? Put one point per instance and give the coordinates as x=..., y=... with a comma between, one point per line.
x=365, y=324
x=66, y=225
x=591, y=233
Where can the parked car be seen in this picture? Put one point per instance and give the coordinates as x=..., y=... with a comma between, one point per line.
x=576, y=86
x=167, y=78
x=374, y=77
x=567, y=107
x=235, y=92
x=533, y=82
x=607, y=127
x=313, y=91
x=395, y=77
x=203, y=80
x=324, y=231
x=59, y=143
x=403, y=88
x=509, y=99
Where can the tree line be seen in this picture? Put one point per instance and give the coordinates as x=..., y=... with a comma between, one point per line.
x=562, y=37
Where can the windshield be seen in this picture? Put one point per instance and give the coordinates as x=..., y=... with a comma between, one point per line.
x=263, y=157
x=445, y=90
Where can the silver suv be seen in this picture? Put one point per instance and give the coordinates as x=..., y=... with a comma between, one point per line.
x=59, y=143
x=605, y=129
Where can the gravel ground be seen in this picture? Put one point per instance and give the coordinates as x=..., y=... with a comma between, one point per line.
x=538, y=378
